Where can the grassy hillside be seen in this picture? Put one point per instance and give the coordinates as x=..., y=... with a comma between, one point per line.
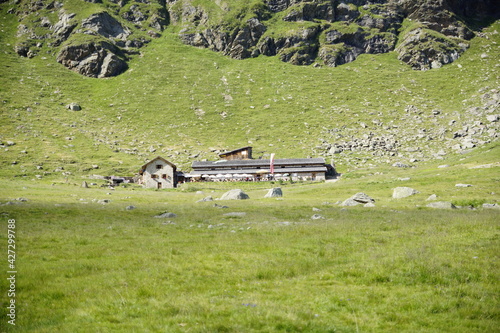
x=177, y=101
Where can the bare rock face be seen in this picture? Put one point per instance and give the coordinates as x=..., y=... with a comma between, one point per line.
x=105, y=25
x=63, y=28
x=94, y=59
x=368, y=27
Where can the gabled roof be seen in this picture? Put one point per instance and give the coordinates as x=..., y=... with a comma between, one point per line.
x=154, y=160
x=234, y=151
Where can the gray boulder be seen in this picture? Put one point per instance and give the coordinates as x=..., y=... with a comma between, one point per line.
x=432, y=197
x=235, y=194
x=493, y=118
x=206, y=199
x=274, y=193
x=403, y=192
x=441, y=205
x=165, y=215
x=74, y=107
x=357, y=199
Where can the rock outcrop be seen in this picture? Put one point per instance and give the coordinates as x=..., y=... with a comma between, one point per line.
x=97, y=45
x=95, y=59
x=338, y=32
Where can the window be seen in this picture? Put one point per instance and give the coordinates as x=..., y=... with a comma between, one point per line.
x=158, y=166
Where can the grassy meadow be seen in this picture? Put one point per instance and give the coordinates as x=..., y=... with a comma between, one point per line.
x=398, y=267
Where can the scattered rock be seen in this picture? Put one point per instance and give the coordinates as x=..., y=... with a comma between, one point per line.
x=316, y=209
x=317, y=217
x=491, y=206
x=274, y=193
x=74, y=107
x=432, y=197
x=403, y=192
x=358, y=198
x=441, y=205
x=85, y=185
x=103, y=201
x=400, y=165
x=165, y=215
x=463, y=185
x=220, y=206
x=493, y=118
x=209, y=198
x=235, y=194
x=369, y=205
x=131, y=207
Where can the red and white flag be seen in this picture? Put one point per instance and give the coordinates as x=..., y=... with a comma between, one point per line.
x=271, y=162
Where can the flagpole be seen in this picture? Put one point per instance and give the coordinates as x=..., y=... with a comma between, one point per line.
x=271, y=164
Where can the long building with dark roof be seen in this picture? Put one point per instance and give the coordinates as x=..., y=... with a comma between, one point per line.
x=287, y=168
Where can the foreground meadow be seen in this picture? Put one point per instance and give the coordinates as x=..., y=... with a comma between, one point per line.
x=87, y=266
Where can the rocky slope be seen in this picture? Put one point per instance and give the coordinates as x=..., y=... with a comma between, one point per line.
x=96, y=37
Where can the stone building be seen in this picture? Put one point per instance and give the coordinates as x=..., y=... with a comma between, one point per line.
x=158, y=173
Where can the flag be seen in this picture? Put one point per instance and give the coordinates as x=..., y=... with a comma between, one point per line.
x=271, y=162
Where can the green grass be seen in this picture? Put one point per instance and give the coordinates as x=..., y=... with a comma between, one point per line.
x=86, y=266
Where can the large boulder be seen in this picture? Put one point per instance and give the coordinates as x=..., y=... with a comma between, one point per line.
x=403, y=192
x=274, y=193
x=235, y=194
x=358, y=199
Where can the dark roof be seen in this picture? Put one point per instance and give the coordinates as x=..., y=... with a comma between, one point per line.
x=255, y=171
x=234, y=151
x=288, y=162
